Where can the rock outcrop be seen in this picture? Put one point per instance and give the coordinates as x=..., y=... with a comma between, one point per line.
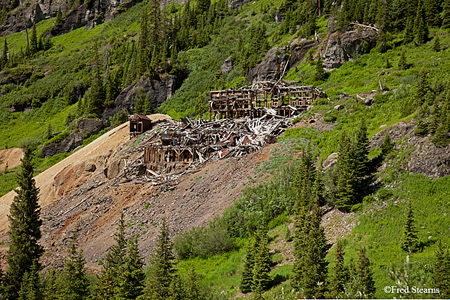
x=159, y=91
x=89, y=14
x=423, y=156
x=21, y=18
x=84, y=129
x=344, y=47
x=272, y=67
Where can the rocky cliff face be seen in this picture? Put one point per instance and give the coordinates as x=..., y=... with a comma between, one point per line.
x=278, y=59
x=342, y=47
x=88, y=13
x=158, y=89
x=83, y=130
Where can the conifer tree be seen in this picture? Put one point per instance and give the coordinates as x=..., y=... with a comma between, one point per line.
x=422, y=88
x=346, y=184
x=176, y=290
x=74, y=281
x=131, y=280
x=320, y=73
x=139, y=103
x=162, y=267
x=33, y=40
x=402, y=64
x=246, y=283
x=262, y=261
x=387, y=145
x=310, y=267
x=341, y=274
x=59, y=18
x=420, y=25
x=24, y=228
x=410, y=242
x=364, y=274
x=436, y=44
x=446, y=15
x=31, y=287
x=111, y=273
x=192, y=287
x=441, y=272
x=361, y=153
x=50, y=285
x=4, y=59
x=143, y=43
x=96, y=93
x=432, y=13
x=408, y=33
x=2, y=285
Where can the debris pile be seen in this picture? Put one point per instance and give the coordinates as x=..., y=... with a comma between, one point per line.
x=175, y=148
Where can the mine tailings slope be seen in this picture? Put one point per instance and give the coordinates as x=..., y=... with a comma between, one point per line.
x=101, y=147
x=88, y=191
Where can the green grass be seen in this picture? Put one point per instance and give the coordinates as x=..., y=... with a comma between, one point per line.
x=380, y=227
x=221, y=272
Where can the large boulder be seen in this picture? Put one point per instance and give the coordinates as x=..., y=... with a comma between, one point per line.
x=342, y=47
x=273, y=65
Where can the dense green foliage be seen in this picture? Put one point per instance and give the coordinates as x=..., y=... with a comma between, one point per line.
x=66, y=78
x=24, y=233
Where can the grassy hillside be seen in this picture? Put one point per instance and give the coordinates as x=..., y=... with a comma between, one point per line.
x=59, y=78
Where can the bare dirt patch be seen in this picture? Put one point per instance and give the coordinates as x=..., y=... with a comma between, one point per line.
x=10, y=157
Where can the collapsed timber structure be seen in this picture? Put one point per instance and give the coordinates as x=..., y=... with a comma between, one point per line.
x=262, y=98
x=245, y=120
x=176, y=148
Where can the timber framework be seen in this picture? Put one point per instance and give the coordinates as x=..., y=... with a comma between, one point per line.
x=262, y=98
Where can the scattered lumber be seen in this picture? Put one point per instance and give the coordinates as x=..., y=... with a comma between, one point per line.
x=173, y=148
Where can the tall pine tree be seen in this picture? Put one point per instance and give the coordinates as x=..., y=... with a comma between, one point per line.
x=131, y=281
x=262, y=262
x=33, y=40
x=31, y=286
x=410, y=242
x=364, y=275
x=111, y=273
x=340, y=276
x=74, y=281
x=441, y=272
x=346, y=183
x=161, y=269
x=24, y=228
x=310, y=267
x=246, y=283
x=420, y=25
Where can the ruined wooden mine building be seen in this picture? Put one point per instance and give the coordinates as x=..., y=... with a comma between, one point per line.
x=262, y=98
x=139, y=124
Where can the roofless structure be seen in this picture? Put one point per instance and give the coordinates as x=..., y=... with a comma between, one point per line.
x=262, y=98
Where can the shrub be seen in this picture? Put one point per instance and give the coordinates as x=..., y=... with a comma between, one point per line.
x=203, y=241
x=329, y=117
x=281, y=219
x=384, y=194
x=421, y=129
x=321, y=101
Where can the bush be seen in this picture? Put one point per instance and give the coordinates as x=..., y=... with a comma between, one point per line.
x=203, y=241
x=321, y=101
x=356, y=207
x=329, y=117
x=281, y=219
x=384, y=194
x=421, y=129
